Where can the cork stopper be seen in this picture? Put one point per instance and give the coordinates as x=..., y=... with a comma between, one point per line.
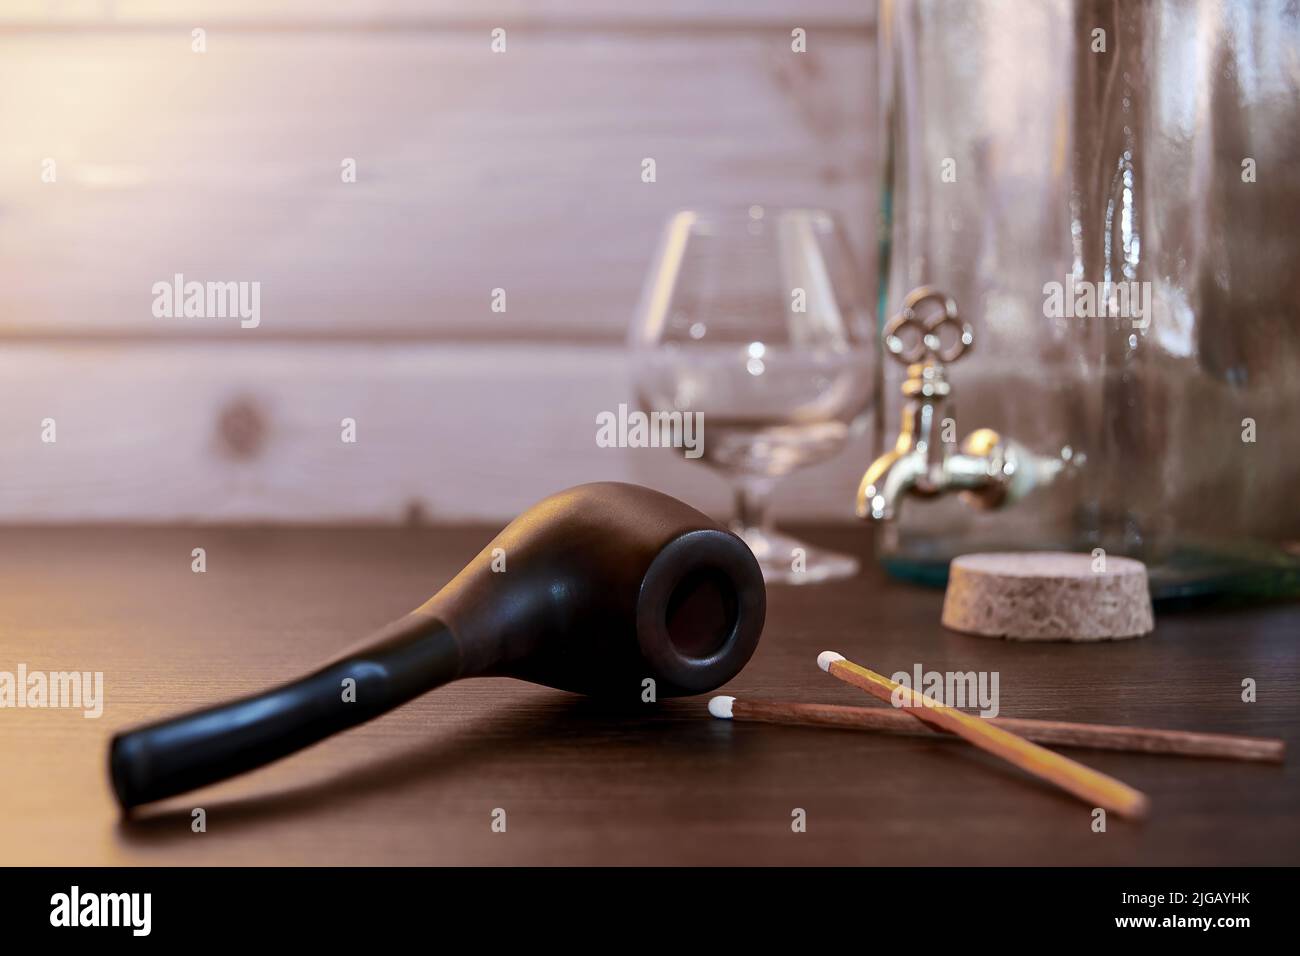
x=1048, y=596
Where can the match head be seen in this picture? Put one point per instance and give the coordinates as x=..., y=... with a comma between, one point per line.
x=720, y=707
x=826, y=658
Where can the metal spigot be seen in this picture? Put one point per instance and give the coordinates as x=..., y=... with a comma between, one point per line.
x=990, y=471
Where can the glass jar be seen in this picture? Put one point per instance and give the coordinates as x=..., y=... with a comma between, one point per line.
x=1044, y=163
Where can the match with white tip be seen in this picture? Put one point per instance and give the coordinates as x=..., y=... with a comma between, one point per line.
x=826, y=658
x=720, y=707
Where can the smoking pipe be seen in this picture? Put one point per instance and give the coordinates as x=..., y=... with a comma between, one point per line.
x=593, y=590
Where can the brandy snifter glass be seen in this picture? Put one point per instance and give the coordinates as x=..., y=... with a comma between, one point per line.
x=752, y=317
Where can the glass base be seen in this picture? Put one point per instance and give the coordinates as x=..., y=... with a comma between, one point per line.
x=787, y=560
x=1184, y=576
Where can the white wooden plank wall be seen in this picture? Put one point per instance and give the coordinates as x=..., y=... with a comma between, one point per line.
x=475, y=171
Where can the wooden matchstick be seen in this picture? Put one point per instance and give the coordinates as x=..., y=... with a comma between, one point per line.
x=1181, y=743
x=1088, y=785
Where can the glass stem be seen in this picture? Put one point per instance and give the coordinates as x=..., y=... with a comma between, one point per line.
x=752, y=513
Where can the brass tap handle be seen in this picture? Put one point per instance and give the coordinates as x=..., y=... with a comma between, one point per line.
x=989, y=471
x=927, y=344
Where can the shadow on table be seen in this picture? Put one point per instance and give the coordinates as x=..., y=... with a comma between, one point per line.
x=575, y=721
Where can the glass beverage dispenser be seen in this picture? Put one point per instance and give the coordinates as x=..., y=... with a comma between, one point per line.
x=1098, y=203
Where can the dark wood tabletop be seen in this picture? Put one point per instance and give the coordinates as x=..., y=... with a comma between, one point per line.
x=584, y=783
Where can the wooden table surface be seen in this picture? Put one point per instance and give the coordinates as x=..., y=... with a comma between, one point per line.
x=581, y=783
